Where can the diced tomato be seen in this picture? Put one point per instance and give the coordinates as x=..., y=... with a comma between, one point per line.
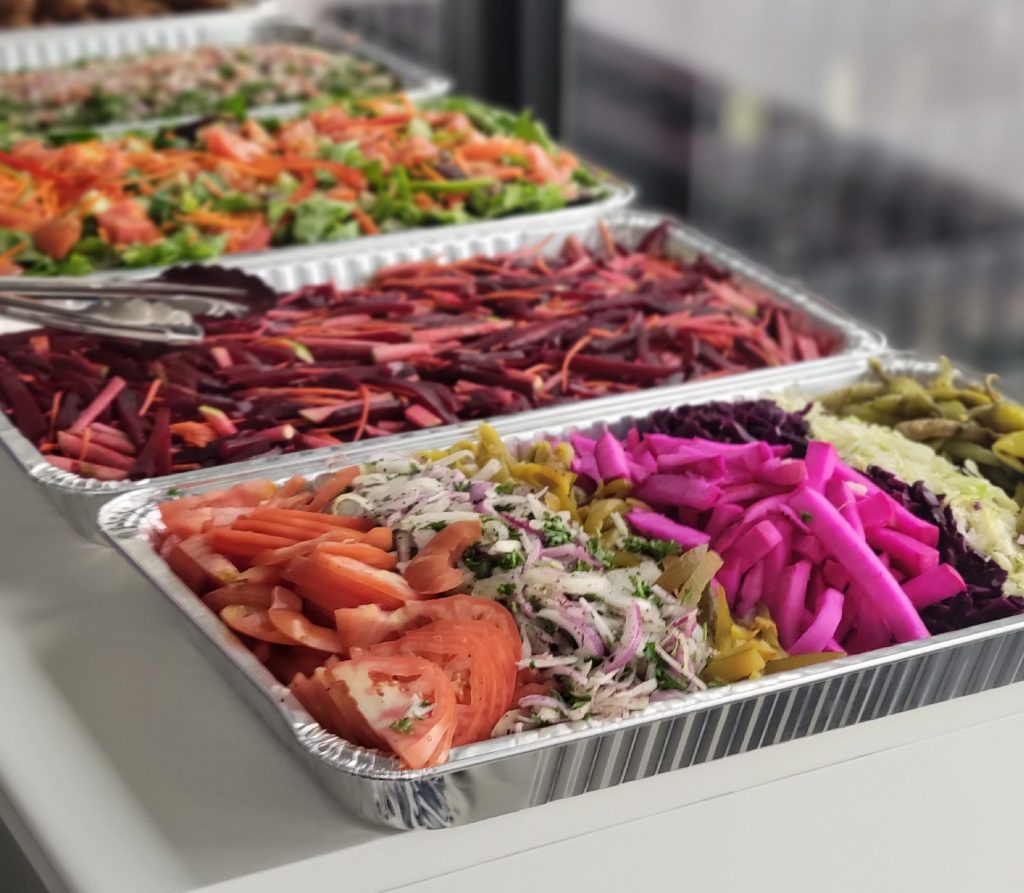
x=474, y=657
x=298, y=137
x=199, y=565
x=221, y=141
x=56, y=237
x=434, y=570
x=125, y=223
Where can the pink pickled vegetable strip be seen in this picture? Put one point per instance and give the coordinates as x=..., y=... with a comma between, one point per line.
x=723, y=516
x=116, y=442
x=653, y=524
x=790, y=602
x=871, y=630
x=586, y=466
x=913, y=556
x=707, y=466
x=632, y=442
x=102, y=401
x=903, y=519
x=817, y=636
x=749, y=517
x=671, y=489
x=835, y=575
x=876, y=509
x=746, y=492
x=751, y=548
x=751, y=590
x=860, y=562
x=821, y=460
x=582, y=445
x=809, y=547
x=784, y=473
x=823, y=627
x=611, y=458
x=934, y=585
x=222, y=357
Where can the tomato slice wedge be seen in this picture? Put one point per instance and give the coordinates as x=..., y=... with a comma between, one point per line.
x=335, y=581
x=469, y=607
x=475, y=658
x=403, y=702
x=434, y=569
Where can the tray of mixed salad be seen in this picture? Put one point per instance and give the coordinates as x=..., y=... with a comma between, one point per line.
x=357, y=346
x=75, y=29
x=470, y=624
x=347, y=172
x=263, y=66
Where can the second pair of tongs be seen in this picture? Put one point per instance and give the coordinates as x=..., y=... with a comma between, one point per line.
x=144, y=310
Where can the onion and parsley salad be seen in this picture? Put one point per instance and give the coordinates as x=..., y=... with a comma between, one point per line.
x=198, y=81
x=344, y=170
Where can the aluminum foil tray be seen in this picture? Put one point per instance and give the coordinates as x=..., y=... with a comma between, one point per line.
x=515, y=772
x=52, y=45
x=78, y=499
x=249, y=25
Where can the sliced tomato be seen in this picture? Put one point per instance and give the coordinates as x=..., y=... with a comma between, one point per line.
x=303, y=631
x=360, y=551
x=276, y=528
x=199, y=564
x=334, y=581
x=287, y=661
x=369, y=624
x=221, y=141
x=248, y=493
x=475, y=659
x=256, y=238
x=279, y=557
x=252, y=595
x=125, y=223
x=469, y=607
x=56, y=237
x=255, y=623
x=434, y=569
x=310, y=691
x=391, y=696
x=312, y=520
x=332, y=487
x=244, y=543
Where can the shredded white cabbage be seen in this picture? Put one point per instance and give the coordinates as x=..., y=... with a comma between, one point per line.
x=986, y=515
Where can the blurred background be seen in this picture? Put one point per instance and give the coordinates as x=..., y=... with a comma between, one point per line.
x=872, y=150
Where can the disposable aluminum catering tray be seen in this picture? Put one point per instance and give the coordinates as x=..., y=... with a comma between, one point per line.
x=78, y=499
x=52, y=45
x=531, y=768
x=245, y=27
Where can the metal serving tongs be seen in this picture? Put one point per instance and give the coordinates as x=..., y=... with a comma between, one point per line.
x=144, y=310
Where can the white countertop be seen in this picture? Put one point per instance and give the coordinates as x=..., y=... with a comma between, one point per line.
x=126, y=764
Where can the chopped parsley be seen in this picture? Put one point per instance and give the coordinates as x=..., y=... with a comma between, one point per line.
x=806, y=517
x=403, y=725
x=641, y=588
x=478, y=562
x=656, y=549
x=462, y=486
x=506, y=589
x=437, y=525
x=599, y=552
x=505, y=488
x=509, y=560
x=554, y=530
x=664, y=676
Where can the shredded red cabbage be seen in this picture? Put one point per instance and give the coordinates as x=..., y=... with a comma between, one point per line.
x=742, y=422
x=984, y=599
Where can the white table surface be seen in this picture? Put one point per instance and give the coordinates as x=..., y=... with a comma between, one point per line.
x=127, y=765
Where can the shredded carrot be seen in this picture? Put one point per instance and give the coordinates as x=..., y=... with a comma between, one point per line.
x=54, y=410
x=154, y=386
x=364, y=416
x=366, y=223
x=569, y=355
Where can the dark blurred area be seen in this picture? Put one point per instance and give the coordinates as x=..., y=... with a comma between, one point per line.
x=871, y=151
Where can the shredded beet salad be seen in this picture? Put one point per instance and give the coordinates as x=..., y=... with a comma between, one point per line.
x=418, y=346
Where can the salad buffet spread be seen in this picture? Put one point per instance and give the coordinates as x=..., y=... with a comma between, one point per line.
x=433, y=598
